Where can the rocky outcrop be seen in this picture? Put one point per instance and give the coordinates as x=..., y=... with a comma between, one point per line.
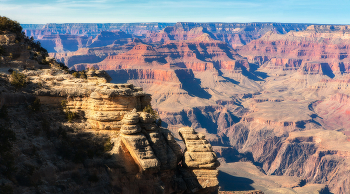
x=140, y=147
x=103, y=105
x=201, y=159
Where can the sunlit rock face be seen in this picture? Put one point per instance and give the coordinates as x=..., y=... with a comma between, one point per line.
x=141, y=148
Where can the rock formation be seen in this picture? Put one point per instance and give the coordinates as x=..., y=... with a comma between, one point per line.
x=116, y=108
x=200, y=158
x=140, y=148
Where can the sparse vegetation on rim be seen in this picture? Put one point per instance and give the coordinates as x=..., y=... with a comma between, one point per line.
x=7, y=24
x=154, y=114
x=19, y=80
x=69, y=114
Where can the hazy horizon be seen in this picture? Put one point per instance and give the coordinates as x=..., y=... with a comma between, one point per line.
x=168, y=11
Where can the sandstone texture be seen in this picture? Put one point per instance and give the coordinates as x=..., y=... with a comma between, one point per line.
x=200, y=158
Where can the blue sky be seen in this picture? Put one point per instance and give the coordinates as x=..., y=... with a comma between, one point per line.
x=120, y=11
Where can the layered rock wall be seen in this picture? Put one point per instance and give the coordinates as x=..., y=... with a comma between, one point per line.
x=140, y=147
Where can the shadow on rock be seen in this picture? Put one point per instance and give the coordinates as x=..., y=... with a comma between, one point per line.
x=228, y=182
x=191, y=84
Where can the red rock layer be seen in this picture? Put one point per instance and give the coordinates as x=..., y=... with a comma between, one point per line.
x=315, y=50
x=335, y=112
x=154, y=74
x=199, y=54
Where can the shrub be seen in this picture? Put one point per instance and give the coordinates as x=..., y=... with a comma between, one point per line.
x=69, y=114
x=19, y=80
x=154, y=114
x=75, y=74
x=44, y=62
x=83, y=75
x=9, y=25
x=64, y=104
x=63, y=66
x=107, y=146
x=35, y=106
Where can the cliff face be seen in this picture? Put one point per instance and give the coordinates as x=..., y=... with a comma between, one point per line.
x=234, y=34
x=199, y=54
x=317, y=50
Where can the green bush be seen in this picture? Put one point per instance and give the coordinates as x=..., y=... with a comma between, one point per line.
x=69, y=114
x=154, y=114
x=19, y=80
x=83, y=75
x=75, y=74
x=9, y=25
x=107, y=146
x=64, y=104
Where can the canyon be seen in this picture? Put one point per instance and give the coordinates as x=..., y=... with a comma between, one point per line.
x=272, y=99
x=64, y=134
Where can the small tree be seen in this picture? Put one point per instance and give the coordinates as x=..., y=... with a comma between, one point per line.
x=83, y=75
x=69, y=114
x=75, y=74
x=154, y=114
x=19, y=80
